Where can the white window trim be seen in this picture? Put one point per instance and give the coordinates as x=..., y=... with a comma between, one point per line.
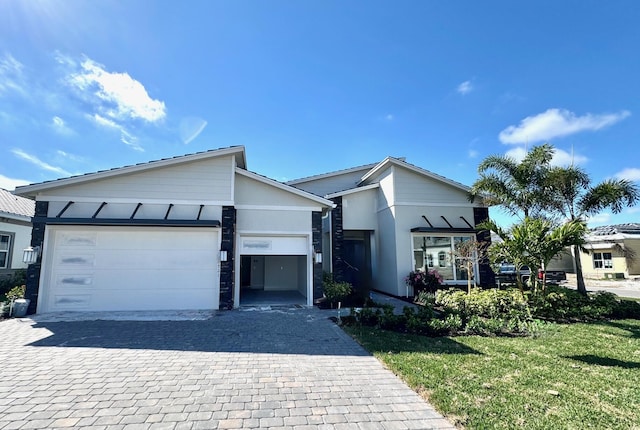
x=605, y=263
x=476, y=271
x=7, y=251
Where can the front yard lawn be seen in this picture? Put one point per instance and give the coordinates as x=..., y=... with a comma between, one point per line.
x=576, y=376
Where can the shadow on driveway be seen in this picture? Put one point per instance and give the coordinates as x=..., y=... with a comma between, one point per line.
x=307, y=332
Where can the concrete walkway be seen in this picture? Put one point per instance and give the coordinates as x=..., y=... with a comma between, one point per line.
x=278, y=368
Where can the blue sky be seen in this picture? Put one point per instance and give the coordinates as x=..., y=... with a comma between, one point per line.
x=314, y=86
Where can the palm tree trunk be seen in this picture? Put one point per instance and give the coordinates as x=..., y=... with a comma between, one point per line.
x=582, y=288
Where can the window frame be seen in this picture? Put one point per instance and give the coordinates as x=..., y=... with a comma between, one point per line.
x=7, y=251
x=600, y=260
x=436, y=255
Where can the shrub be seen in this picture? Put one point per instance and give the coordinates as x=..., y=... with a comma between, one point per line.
x=426, y=298
x=490, y=303
x=336, y=291
x=16, y=293
x=424, y=281
x=7, y=282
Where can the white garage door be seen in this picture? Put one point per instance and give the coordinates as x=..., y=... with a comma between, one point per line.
x=130, y=268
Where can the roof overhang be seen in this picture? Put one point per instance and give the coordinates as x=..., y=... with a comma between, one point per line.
x=327, y=204
x=443, y=230
x=15, y=217
x=33, y=189
x=353, y=190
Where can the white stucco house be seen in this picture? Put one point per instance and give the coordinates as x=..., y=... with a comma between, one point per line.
x=393, y=217
x=15, y=230
x=198, y=231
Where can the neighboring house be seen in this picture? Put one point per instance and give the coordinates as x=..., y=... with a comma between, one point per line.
x=393, y=217
x=613, y=252
x=15, y=230
x=192, y=232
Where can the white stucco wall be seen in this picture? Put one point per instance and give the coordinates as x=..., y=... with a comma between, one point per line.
x=21, y=240
x=413, y=188
x=333, y=184
x=359, y=210
x=204, y=180
x=386, y=255
x=273, y=221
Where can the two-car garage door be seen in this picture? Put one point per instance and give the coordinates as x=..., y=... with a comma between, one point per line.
x=130, y=268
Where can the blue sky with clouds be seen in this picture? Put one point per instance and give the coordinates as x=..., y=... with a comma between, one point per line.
x=315, y=86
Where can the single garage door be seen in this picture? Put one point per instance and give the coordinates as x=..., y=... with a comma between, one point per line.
x=130, y=268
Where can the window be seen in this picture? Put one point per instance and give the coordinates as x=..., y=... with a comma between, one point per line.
x=436, y=252
x=602, y=260
x=5, y=247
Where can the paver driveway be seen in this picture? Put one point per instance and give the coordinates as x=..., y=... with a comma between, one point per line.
x=266, y=369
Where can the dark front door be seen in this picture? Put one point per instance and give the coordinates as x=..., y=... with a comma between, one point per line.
x=357, y=262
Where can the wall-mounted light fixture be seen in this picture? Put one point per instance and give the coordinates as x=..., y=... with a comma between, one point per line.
x=318, y=257
x=223, y=255
x=30, y=254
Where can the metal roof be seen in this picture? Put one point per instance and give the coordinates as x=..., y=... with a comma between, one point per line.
x=15, y=205
x=608, y=230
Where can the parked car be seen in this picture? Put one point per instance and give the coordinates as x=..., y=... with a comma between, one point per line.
x=556, y=276
x=507, y=273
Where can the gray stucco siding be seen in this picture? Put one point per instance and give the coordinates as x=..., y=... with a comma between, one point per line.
x=205, y=180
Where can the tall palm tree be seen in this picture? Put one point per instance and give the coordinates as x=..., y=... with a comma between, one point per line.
x=519, y=187
x=574, y=198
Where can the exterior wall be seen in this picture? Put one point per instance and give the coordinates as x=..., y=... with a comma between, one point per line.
x=20, y=233
x=563, y=261
x=334, y=183
x=34, y=270
x=359, y=210
x=633, y=245
x=386, y=193
x=413, y=188
x=273, y=221
x=386, y=254
x=618, y=260
x=204, y=180
x=337, y=239
x=227, y=268
x=249, y=191
x=317, y=245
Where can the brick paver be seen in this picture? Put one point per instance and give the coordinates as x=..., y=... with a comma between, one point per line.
x=283, y=368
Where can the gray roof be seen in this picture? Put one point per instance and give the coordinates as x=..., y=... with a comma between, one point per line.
x=15, y=205
x=606, y=230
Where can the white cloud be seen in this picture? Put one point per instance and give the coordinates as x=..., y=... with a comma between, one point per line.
x=557, y=123
x=634, y=210
x=389, y=117
x=118, y=94
x=599, y=219
x=11, y=75
x=465, y=88
x=473, y=153
x=41, y=164
x=560, y=157
x=60, y=126
x=10, y=183
x=630, y=174
x=190, y=128
x=72, y=157
x=125, y=137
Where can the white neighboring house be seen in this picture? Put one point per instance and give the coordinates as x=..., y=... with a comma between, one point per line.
x=15, y=230
x=393, y=217
x=192, y=232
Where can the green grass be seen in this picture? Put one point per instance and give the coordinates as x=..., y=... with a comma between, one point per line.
x=578, y=376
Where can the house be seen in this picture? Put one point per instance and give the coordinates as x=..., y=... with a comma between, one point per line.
x=198, y=231
x=613, y=252
x=15, y=230
x=393, y=217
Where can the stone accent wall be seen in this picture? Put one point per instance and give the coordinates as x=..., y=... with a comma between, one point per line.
x=33, y=271
x=227, y=272
x=316, y=239
x=487, y=277
x=337, y=238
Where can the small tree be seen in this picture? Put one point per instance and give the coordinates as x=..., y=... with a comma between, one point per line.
x=467, y=254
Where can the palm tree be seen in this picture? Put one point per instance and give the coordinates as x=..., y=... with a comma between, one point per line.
x=519, y=187
x=574, y=198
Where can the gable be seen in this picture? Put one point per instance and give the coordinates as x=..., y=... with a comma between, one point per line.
x=411, y=187
x=323, y=185
x=202, y=180
x=252, y=190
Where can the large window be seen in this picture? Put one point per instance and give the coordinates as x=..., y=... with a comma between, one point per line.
x=437, y=253
x=5, y=246
x=602, y=260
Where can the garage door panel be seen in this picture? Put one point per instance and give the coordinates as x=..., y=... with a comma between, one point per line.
x=115, y=268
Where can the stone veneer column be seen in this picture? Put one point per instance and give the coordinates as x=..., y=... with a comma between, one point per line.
x=487, y=277
x=227, y=268
x=33, y=271
x=316, y=239
x=337, y=239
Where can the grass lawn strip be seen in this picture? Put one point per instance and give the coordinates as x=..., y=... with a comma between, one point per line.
x=577, y=376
